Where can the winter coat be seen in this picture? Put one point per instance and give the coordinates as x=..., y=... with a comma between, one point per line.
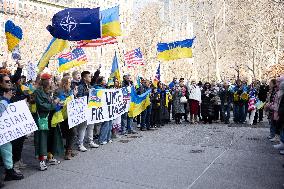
x=43, y=102
x=263, y=91
x=194, y=93
x=226, y=97
x=207, y=108
x=178, y=107
x=83, y=89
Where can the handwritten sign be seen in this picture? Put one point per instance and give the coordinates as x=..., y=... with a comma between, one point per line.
x=15, y=121
x=76, y=110
x=107, y=104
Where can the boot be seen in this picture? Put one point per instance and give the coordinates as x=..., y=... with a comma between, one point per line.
x=68, y=155
x=11, y=174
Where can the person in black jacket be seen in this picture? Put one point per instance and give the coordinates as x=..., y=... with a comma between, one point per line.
x=226, y=98
x=83, y=90
x=262, y=96
x=19, y=142
x=207, y=104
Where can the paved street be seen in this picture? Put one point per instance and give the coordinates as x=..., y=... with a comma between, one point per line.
x=174, y=157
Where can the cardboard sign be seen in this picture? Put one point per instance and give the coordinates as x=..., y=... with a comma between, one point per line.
x=16, y=121
x=76, y=110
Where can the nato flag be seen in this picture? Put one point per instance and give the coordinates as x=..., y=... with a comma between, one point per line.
x=75, y=24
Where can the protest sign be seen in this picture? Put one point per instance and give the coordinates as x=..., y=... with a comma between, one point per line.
x=107, y=104
x=16, y=121
x=31, y=71
x=76, y=110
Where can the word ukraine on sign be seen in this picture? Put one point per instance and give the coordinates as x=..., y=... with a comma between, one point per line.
x=76, y=110
x=16, y=121
x=107, y=104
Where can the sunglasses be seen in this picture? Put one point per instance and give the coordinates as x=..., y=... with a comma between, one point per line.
x=7, y=81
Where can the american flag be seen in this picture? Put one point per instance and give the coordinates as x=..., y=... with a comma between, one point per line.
x=134, y=57
x=66, y=55
x=77, y=54
x=97, y=42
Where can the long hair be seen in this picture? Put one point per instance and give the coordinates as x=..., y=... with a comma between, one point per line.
x=64, y=83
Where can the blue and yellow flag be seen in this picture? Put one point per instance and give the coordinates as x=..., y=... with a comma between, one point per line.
x=61, y=111
x=138, y=103
x=14, y=35
x=110, y=22
x=175, y=50
x=28, y=88
x=115, y=70
x=54, y=47
x=72, y=59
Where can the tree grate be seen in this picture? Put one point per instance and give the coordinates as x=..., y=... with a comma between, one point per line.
x=196, y=151
x=134, y=136
x=252, y=138
x=123, y=141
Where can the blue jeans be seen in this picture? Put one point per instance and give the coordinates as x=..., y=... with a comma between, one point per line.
x=145, y=118
x=6, y=154
x=226, y=109
x=239, y=113
x=126, y=123
x=105, y=131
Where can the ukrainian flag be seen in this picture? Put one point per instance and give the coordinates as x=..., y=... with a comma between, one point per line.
x=28, y=89
x=110, y=22
x=175, y=50
x=54, y=47
x=138, y=103
x=76, y=58
x=114, y=70
x=61, y=111
x=14, y=34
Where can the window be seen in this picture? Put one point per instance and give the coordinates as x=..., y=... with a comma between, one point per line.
x=1, y=5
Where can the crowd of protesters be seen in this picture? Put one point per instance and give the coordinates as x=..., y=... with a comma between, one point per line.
x=193, y=102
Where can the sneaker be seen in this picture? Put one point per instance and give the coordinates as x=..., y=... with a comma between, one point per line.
x=132, y=132
x=103, y=143
x=110, y=141
x=17, y=165
x=279, y=146
x=138, y=125
x=42, y=166
x=93, y=145
x=274, y=139
x=281, y=152
x=53, y=161
x=82, y=148
x=22, y=164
